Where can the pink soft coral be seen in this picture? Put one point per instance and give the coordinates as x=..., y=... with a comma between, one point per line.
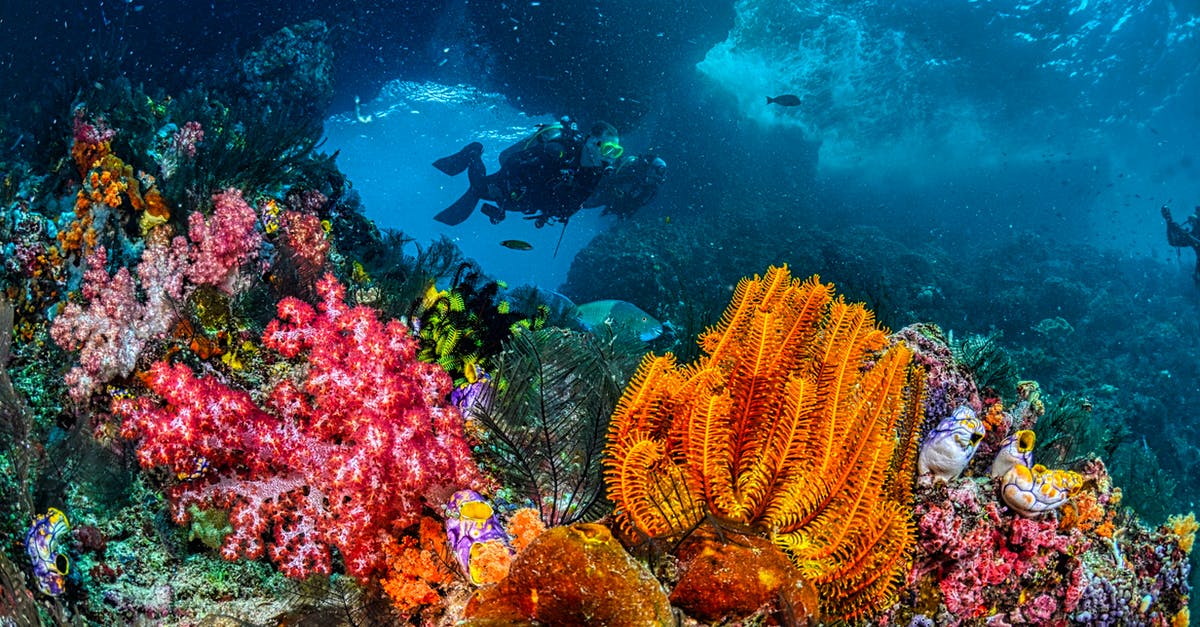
x=117, y=319
x=223, y=243
x=343, y=458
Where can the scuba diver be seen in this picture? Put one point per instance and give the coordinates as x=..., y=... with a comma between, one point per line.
x=632, y=184
x=1184, y=235
x=546, y=176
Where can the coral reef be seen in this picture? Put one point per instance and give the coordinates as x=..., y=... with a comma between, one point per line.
x=801, y=421
x=768, y=481
x=977, y=559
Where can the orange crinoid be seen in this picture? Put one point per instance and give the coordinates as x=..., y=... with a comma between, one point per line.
x=801, y=422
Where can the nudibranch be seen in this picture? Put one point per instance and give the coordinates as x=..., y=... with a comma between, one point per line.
x=42, y=542
x=1037, y=490
x=949, y=447
x=1016, y=450
x=471, y=523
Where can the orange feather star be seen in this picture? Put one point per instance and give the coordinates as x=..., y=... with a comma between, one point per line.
x=800, y=421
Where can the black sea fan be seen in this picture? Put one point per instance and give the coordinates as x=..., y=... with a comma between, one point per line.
x=989, y=363
x=545, y=423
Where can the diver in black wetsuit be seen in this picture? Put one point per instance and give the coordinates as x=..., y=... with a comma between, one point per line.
x=1185, y=235
x=546, y=176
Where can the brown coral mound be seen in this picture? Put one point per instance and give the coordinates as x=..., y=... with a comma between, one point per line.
x=574, y=575
x=801, y=422
x=731, y=579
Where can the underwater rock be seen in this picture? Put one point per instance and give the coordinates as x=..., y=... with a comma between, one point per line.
x=573, y=575
x=730, y=580
x=292, y=69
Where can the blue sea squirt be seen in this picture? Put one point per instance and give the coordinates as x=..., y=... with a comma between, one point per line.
x=1016, y=450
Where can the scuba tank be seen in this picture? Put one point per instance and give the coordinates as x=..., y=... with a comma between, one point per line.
x=544, y=134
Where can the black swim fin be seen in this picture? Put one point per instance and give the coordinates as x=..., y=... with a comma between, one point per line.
x=456, y=163
x=460, y=210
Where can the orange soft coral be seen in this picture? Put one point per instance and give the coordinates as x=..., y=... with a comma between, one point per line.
x=1185, y=527
x=524, y=527
x=416, y=567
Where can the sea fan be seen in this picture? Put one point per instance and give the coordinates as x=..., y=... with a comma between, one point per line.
x=546, y=419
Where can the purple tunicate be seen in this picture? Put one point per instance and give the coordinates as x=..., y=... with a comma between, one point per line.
x=41, y=544
x=470, y=520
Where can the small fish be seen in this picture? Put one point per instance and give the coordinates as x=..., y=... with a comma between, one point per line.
x=516, y=244
x=786, y=100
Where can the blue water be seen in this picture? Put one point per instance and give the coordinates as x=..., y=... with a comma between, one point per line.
x=981, y=119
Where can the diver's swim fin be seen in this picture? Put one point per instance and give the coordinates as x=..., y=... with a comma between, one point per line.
x=456, y=163
x=460, y=210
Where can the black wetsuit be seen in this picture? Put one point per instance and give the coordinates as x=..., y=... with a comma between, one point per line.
x=544, y=180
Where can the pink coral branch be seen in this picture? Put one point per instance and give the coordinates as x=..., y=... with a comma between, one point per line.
x=223, y=243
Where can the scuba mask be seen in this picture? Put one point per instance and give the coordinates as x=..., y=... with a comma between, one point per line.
x=611, y=150
x=600, y=151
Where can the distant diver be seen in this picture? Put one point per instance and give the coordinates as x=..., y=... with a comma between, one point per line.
x=632, y=184
x=786, y=100
x=1185, y=235
x=365, y=119
x=546, y=176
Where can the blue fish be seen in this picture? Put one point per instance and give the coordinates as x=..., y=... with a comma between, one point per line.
x=622, y=316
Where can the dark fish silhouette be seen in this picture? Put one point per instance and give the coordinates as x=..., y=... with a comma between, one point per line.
x=786, y=100
x=516, y=244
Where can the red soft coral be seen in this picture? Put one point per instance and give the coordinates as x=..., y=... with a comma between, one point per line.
x=344, y=458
